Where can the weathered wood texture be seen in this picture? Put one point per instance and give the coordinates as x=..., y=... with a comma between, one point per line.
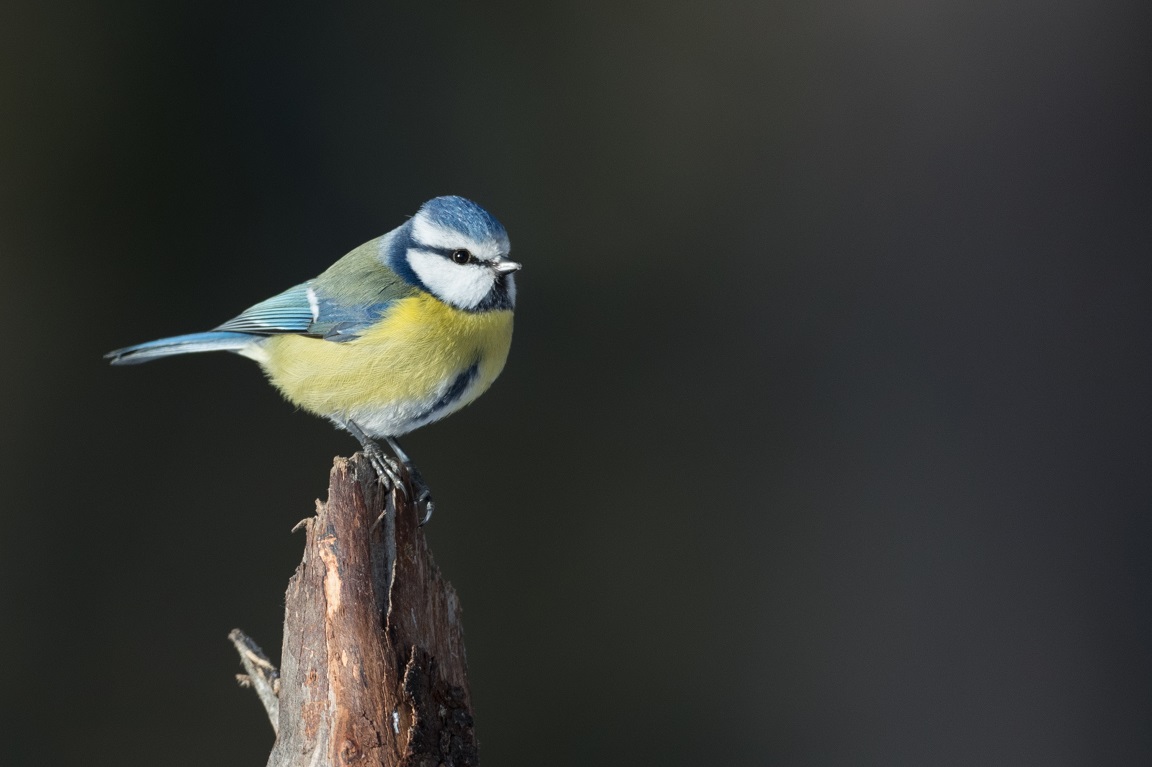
x=373, y=669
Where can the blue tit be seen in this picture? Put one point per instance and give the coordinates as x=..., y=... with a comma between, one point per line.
x=404, y=330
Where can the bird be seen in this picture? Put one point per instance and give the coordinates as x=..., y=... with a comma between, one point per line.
x=402, y=331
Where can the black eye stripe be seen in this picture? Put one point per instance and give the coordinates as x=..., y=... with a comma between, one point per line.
x=445, y=252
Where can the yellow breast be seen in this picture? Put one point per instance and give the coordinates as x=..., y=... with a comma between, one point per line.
x=418, y=346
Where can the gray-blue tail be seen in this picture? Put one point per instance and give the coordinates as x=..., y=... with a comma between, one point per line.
x=212, y=341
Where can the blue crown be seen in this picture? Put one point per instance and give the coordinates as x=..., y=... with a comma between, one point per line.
x=464, y=216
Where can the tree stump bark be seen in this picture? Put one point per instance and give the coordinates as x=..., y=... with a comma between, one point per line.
x=372, y=669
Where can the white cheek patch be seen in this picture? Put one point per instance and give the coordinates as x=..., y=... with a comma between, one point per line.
x=462, y=286
x=425, y=232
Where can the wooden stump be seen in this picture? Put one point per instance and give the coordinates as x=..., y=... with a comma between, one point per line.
x=373, y=669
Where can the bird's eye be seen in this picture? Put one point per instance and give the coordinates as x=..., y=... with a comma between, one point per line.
x=461, y=256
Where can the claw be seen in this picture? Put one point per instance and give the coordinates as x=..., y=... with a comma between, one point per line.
x=395, y=474
x=386, y=469
x=425, y=502
x=423, y=494
x=389, y=475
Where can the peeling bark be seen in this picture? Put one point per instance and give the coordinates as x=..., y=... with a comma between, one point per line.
x=373, y=669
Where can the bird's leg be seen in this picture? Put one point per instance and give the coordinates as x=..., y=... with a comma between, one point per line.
x=423, y=494
x=386, y=470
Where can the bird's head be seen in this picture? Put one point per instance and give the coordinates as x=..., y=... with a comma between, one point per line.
x=458, y=252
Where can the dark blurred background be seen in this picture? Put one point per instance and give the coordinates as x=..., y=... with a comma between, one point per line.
x=825, y=435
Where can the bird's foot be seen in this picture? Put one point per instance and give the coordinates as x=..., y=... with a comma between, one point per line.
x=422, y=494
x=395, y=473
x=387, y=469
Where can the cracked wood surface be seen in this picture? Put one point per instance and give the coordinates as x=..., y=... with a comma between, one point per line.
x=373, y=669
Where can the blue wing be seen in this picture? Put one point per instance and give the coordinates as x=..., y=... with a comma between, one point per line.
x=306, y=311
x=289, y=312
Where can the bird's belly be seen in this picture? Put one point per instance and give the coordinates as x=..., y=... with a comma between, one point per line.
x=422, y=361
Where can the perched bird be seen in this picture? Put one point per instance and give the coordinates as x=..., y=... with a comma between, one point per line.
x=404, y=330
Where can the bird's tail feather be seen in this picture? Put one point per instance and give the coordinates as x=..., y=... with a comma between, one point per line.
x=212, y=341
